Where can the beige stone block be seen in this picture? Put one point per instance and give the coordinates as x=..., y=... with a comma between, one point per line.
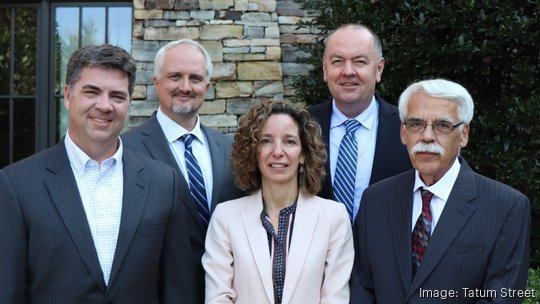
x=213, y=107
x=257, y=49
x=217, y=32
x=138, y=4
x=219, y=121
x=273, y=53
x=259, y=71
x=265, y=42
x=138, y=30
x=147, y=14
x=171, y=33
x=232, y=89
x=244, y=57
x=215, y=4
x=224, y=71
x=220, y=22
x=241, y=5
x=266, y=89
x=271, y=32
x=236, y=42
x=264, y=5
x=215, y=49
x=139, y=92
x=142, y=108
x=236, y=50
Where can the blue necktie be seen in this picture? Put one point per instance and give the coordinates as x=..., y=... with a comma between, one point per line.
x=344, y=181
x=196, y=180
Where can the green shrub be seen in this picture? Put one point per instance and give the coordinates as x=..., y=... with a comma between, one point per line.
x=533, y=283
x=489, y=46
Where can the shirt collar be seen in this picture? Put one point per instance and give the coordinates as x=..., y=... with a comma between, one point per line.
x=367, y=118
x=78, y=158
x=443, y=187
x=173, y=131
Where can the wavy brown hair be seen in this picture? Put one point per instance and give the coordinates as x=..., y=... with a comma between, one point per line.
x=245, y=150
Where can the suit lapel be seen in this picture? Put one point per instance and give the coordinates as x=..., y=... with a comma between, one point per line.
x=133, y=202
x=158, y=147
x=323, y=115
x=303, y=232
x=385, y=130
x=400, y=211
x=258, y=243
x=457, y=211
x=65, y=196
x=217, y=154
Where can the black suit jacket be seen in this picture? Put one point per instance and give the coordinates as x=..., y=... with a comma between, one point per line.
x=149, y=139
x=481, y=241
x=391, y=155
x=48, y=255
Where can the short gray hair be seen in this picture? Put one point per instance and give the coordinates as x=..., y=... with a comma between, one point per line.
x=160, y=55
x=440, y=88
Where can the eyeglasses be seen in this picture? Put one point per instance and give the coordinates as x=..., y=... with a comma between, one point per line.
x=439, y=126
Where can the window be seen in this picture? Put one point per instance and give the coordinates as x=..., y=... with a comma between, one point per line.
x=38, y=38
x=18, y=83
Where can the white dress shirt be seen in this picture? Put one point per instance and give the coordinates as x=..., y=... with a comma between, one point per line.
x=101, y=190
x=366, y=137
x=441, y=191
x=199, y=147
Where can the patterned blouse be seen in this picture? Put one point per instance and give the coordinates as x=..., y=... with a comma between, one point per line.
x=279, y=245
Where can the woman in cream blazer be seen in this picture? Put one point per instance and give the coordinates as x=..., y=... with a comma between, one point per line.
x=281, y=244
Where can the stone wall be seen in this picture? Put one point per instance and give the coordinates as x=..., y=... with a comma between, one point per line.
x=250, y=42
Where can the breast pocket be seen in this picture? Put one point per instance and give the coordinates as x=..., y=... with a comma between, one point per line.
x=152, y=228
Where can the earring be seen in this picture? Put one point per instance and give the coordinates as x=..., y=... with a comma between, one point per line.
x=301, y=170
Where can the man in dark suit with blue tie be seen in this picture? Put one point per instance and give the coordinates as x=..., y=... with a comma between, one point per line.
x=352, y=66
x=88, y=221
x=440, y=233
x=175, y=135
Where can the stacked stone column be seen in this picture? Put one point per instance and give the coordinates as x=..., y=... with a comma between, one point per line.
x=250, y=42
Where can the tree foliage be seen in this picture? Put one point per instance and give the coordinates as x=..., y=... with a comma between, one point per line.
x=491, y=47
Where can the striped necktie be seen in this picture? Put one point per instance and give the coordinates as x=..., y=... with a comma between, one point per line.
x=422, y=230
x=344, y=181
x=196, y=180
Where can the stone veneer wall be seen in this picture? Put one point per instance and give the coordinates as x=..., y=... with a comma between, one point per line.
x=250, y=42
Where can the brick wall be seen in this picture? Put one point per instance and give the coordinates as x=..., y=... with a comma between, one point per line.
x=250, y=42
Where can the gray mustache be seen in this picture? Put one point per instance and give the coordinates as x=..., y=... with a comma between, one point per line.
x=429, y=148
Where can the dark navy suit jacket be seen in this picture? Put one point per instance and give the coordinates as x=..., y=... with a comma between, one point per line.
x=481, y=241
x=47, y=253
x=391, y=155
x=149, y=140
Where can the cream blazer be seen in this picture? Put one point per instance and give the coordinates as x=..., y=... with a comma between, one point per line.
x=238, y=264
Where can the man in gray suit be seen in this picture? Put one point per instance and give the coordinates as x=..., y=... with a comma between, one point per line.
x=441, y=232
x=174, y=135
x=88, y=221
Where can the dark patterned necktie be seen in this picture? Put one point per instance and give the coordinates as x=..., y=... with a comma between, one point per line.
x=422, y=230
x=196, y=180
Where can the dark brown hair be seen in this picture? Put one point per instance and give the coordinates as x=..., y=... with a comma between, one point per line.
x=101, y=56
x=245, y=151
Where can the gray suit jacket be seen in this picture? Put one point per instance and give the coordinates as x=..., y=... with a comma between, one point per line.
x=149, y=140
x=391, y=155
x=48, y=255
x=481, y=241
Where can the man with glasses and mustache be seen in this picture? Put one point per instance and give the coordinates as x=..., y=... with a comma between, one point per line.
x=441, y=232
